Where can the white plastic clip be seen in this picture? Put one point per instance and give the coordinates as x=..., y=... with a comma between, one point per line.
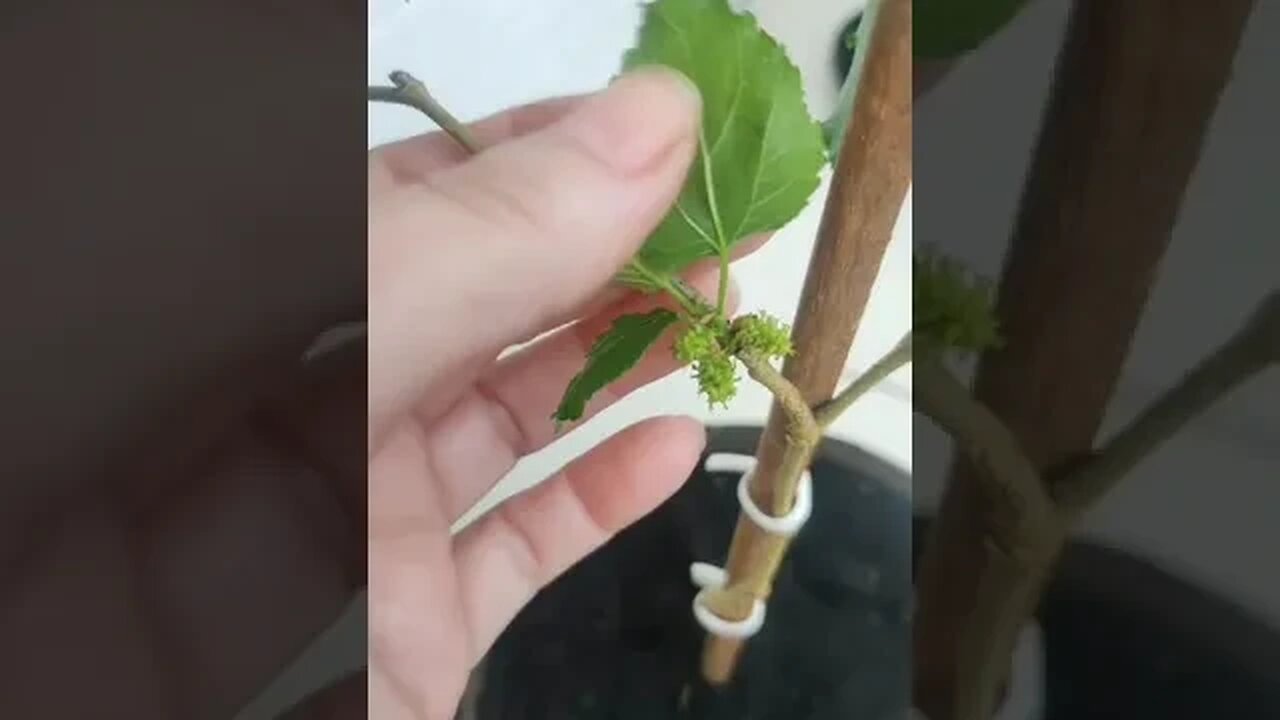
x=787, y=525
x=709, y=577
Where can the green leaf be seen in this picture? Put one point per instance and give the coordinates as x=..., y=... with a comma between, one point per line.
x=613, y=354
x=760, y=151
x=946, y=28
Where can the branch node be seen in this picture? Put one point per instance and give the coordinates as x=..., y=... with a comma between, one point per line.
x=829, y=412
x=1252, y=349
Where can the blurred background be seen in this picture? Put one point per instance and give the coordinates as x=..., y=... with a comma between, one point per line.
x=1204, y=506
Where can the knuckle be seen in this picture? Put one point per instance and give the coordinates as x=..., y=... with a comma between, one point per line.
x=521, y=547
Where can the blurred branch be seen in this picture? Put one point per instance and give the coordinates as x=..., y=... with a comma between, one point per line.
x=409, y=91
x=1252, y=349
x=1009, y=475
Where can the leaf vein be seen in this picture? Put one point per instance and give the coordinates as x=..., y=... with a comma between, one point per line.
x=759, y=168
x=737, y=98
x=702, y=233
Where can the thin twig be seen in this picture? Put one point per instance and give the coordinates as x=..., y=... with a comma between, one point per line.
x=827, y=413
x=800, y=420
x=409, y=91
x=1249, y=351
x=1011, y=477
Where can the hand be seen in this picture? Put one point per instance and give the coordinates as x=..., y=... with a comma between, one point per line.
x=468, y=257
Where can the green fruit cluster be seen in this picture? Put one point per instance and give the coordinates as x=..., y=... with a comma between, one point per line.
x=952, y=308
x=697, y=343
x=711, y=344
x=717, y=378
x=762, y=334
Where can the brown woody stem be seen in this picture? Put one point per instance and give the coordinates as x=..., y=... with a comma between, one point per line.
x=787, y=395
x=868, y=186
x=1024, y=534
x=801, y=427
x=1025, y=526
x=1098, y=208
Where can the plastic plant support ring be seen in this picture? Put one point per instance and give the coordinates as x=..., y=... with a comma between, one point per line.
x=710, y=577
x=787, y=525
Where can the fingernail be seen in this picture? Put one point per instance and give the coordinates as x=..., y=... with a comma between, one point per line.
x=639, y=120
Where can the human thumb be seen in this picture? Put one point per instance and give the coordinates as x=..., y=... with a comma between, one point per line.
x=475, y=257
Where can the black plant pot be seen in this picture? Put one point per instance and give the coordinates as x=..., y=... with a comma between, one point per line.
x=615, y=638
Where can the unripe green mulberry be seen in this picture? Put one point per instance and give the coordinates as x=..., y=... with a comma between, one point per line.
x=952, y=308
x=698, y=342
x=762, y=334
x=717, y=379
x=705, y=346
